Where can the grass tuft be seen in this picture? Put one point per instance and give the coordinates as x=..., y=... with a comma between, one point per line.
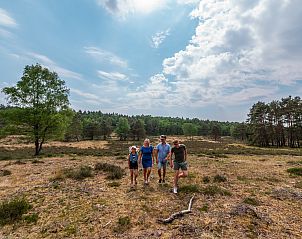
x=191, y=188
x=219, y=178
x=295, y=171
x=11, y=211
x=114, y=172
x=251, y=201
x=123, y=224
x=213, y=190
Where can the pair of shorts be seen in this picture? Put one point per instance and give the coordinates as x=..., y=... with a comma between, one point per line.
x=147, y=163
x=133, y=165
x=161, y=163
x=180, y=165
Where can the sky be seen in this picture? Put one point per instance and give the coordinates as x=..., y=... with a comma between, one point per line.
x=206, y=59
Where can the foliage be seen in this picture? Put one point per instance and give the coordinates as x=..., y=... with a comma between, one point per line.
x=191, y=188
x=11, y=211
x=123, y=224
x=213, y=190
x=251, y=201
x=189, y=129
x=278, y=123
x=122, y=128
x=295, y=171
x=32, y=218
x=41, y=99
x=114, y=172
x=75, y=128
x=219, y=178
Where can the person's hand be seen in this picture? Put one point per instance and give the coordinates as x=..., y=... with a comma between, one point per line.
x=156, y=161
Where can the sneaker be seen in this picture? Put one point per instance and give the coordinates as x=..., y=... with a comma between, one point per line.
x=164, y=181
x=159, y=181
x=175, y=190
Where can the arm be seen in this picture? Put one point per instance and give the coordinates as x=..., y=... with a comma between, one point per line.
x=156, y=155
x=171, y=161
x=140, y=157
x=185, y=154
x=129, y=160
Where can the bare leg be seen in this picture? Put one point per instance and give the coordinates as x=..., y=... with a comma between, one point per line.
x=159, y=173
x=131, y=176
x=148, y=173
x=164, y=172
x=135, y=175
x=176, y=176
x=183, y=174
x=145, y=172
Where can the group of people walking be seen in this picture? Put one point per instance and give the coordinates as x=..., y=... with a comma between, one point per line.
x=147, y=155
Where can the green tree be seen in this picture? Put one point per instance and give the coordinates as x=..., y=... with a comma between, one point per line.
x=189, y=129
x=122, y=128
x=42, y=99
x=137, y=129
x=216, y=131
x=106, y=127
x=75, y=128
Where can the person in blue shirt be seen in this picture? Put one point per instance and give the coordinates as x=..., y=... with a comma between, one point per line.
x=146, y=156
x=163, y=152
x=133, y=164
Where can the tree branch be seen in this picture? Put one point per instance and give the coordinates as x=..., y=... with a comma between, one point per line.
x=177, y=214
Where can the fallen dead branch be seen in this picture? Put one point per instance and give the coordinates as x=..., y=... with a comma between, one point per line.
x=177, y=214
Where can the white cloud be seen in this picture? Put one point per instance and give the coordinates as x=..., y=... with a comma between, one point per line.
x=114, y=76
x=106, y=56
x=159, y=37
x=154, y=93
x=123, y=8
x=6, y=20
x=62, y=72
x=241, y=50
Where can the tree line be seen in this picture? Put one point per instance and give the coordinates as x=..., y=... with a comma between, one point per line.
x=277, y=123
x=38, y=106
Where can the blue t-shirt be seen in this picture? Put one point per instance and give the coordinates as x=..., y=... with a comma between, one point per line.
x=146, y=152
x=163, y=150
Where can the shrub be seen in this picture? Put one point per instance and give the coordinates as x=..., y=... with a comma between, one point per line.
x=295, y=171
x=5, y=172
x=123, y=224
x=79, y=174
x=213, y=190
x=192, y=188
x=33, y=218
x=204, y=208
x=114, y=172
x=220, y=178
x=251, y=201
x=11, y=211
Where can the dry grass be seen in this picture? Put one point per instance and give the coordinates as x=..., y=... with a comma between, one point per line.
x=264, y=201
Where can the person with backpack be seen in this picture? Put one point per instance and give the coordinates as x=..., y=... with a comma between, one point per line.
x=146, y=156
x=133, y=165
x=179, y=162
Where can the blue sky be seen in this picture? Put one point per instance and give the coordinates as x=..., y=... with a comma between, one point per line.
x=210, y=59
